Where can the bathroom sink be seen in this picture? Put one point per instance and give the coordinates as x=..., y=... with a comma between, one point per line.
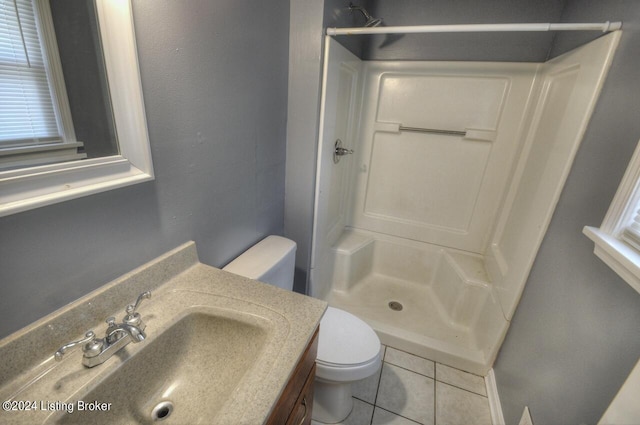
x=219, y=349
x=200, y=357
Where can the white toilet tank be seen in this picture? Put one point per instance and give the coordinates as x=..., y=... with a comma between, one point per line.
x=272, y=260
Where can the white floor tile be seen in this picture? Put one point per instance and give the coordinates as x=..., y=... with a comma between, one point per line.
x=460, y=379
x=455, y=407
x=411, y=362
x=360, y=415
x=383, y=417
x=404, y=393
x=407, y=394
x=367, y=389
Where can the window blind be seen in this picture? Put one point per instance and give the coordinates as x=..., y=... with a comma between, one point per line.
x=631, y=233
x=27, y=114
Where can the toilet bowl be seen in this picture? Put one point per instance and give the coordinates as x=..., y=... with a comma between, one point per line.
x=348, y=348
x=348, y=351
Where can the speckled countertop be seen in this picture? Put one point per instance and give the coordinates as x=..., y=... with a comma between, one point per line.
x=282, y=323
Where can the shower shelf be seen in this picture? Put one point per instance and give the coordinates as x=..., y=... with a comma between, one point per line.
x=468, y=133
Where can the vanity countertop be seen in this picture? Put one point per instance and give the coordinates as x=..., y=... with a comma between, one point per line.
x=179, y=283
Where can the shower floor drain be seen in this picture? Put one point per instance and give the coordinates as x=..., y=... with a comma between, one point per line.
x=395, y=306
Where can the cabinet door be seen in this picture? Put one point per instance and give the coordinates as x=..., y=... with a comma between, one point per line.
x=301, y=413
x=292, y=396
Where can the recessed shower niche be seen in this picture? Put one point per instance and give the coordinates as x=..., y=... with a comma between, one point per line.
x=455, y=172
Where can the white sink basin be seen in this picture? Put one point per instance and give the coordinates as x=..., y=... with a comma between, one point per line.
x=188, y=372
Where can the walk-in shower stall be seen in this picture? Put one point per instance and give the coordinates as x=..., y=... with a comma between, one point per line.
x=436, y=182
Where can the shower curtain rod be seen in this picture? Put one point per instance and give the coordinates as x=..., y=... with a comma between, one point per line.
x=604, y=27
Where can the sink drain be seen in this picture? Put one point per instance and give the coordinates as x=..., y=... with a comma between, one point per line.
x=162, y=411
x=395, y=306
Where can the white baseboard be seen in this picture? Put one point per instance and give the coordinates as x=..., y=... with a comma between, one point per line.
x=497, y=418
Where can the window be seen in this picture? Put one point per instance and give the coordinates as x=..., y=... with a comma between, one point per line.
x=35, y=121
x=617, y=240
x=32, y=187
x=631, y=233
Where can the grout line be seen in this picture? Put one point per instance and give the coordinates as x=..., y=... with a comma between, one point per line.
x=434, y=379
x=375, y=399
x=364, y=401
x=411, y=354
x=455, y=386
x=373, y=412
x=435, y=364
x=459, y=370
x=420, y=357
x=413, y=371
x=463, y=389
x=435, y=394
x=409, y=419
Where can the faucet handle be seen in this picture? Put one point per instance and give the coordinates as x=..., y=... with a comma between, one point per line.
x=111, y=322
x=88, y=338
x=133, y=317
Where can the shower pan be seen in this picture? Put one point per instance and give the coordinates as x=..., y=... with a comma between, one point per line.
x=428, y=229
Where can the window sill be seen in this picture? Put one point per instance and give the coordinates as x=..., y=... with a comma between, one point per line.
x=623, y=259
x=31, y=156
x=54, y=183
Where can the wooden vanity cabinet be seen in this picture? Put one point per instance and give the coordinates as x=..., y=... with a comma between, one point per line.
x=296, y=402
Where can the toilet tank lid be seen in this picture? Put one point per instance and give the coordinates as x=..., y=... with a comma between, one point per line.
x=260, y=258
x=346, y=339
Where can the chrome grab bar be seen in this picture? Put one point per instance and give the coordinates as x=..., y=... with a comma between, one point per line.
x=433, y=131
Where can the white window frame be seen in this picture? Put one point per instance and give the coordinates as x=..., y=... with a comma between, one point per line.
x=33, y=187
x=53, y=66
x=609, y=246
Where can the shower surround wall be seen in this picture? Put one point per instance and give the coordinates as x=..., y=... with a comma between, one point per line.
x=447, y=225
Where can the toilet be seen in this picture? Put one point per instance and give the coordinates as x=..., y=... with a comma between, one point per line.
x=348, y=349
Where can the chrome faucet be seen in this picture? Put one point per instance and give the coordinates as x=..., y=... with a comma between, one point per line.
x=98, y=350
x=118, y=332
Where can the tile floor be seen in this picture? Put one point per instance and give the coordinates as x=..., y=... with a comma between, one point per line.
x=410, y=390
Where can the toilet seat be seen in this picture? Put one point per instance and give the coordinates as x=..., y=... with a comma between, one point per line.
x=340, y=373
x=348, y=348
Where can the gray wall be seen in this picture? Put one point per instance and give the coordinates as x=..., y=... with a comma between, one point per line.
x=511, y=47
x=576, y=333
x=305, y=55
x=214, y=76
x=338, y=15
